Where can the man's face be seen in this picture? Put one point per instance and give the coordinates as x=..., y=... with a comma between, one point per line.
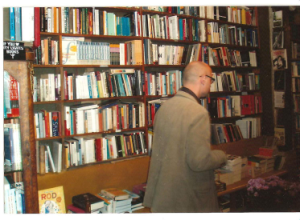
x=208, y=81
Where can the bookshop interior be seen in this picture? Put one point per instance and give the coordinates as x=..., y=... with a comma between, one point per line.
x=82, y=86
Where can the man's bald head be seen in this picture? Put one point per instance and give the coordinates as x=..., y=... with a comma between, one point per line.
x=193, y=70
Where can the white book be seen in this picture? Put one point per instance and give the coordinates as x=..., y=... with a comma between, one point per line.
x=27, y=24
x=36, y=120
x=57, y=155
x=104, y=148
x=51, y=159
x=67, y=117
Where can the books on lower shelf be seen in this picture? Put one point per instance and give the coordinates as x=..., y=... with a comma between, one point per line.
x=14, y=198
x=225, y=133
x=47, y=124
x=235, y=105
x=12, y=145
x=47, y=87
x=116, y=116
x=115, y=83
x=233, y=81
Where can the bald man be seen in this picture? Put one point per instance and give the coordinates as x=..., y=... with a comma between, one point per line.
x=181, y=174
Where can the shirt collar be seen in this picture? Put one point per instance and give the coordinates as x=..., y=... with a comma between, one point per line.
x=184, y=89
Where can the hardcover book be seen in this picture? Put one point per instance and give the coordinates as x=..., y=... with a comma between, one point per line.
x=279, y=59
x=52, y=200
x=87, y=202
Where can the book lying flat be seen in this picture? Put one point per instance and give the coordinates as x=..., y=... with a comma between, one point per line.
x=115, y=194
x=81, y=200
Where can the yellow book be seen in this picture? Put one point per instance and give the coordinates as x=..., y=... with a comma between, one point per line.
x=52, y=200
x=243, y=16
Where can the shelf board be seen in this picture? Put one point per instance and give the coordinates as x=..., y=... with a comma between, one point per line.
x=295, y=60
x=235, y=117
x=232, y=92
x=231, y=46
x=49, y=138
x=107, y=98
x=165, y=66
x=232, y=23
x=48, y=102
x=159, y=96
x=17, y=117
x=110, y=161
x=9, y=172
x=87, y=66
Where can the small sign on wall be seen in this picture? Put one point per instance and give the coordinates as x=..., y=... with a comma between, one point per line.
x=14, y=50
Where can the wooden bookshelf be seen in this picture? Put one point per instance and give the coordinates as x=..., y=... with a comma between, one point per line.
x=121, y=172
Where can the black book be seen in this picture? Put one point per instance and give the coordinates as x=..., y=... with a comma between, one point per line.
x=87, y=202
x=137, y=112
x=117, y=89
x=134, y=144
x=119, y=146
x=222, y=13
x=49, y=51
x=227, y=127
x=130, y=115
x=42, y=19
x=100, y=22
x=213, y=108
x=279, y=81
x=245, y=58
x=108, y=87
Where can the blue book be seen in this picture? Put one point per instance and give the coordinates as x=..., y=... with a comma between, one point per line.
x=12, y=23
x=119, y=30
x=90, y=86
x=149, y=86
x=72, y=124
x=55, y=125
x=108, y=150
x=7, y=142
x=128, y=84
x=120, y=83
x=180, y=29
x=18, y=24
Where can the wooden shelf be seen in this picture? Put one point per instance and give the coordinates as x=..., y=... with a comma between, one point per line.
x=235, y=117
x=107, y=98
x=48, y=102
x=87, y=66
x=92, y=134
x=243, y=183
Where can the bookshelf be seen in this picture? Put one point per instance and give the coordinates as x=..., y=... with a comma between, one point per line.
x=20, y=71
x=117, y=171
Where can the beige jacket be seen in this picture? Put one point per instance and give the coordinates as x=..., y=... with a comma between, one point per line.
x=181, y=174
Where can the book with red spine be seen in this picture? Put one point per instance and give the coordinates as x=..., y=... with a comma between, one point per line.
x=14, y=97
x=37, y=28
x=98, y=148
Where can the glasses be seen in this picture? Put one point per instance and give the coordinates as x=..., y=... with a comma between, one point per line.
x=212, y=80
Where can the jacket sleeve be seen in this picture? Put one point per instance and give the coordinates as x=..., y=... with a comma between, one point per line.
x=198, y=153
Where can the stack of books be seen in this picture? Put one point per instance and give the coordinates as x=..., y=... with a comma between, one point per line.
x=232, y=171
x=86, y=203
x=137, y=201
x=120, y=200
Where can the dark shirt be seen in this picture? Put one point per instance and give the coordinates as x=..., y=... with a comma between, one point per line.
x=184, y=89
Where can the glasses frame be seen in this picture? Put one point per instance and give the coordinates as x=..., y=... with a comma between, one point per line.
x=212, y=80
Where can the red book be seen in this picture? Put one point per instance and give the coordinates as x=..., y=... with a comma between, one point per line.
x=74, y=122
x=90, y=14
x=59, y=124
x=100, y=117
x=74, y=209
x=47, y=125
x=110, y=88
x=37, y=30
x=125, y=54
x=14, y=97
x=66, y=84
x=98, y=148
x=169, y=9
x=246, y=104
x=183, y=27
x=226, y=133
x=138, y=23
x=118, y=117
x=145, y=83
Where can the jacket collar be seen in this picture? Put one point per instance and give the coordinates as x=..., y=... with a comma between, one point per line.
x=188, y=94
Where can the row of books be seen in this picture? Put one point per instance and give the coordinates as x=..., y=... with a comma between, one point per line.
x=47, y=53
x=222, y=56
x=297, y=103
x=172, y=27
x=49, y=19
x=79, y=151
x=226, y=34
x=295, y=84
x=18, y=23
x=197, y=11
x=295, y=50
x=230, y=106
x=10, y=96
x=116, y=83
x=14, y=198
x=12, y=145
x=47, y=124
x=46, y=87
x=78, y=51
x=94, y=21
x=162, y=83
x=232, y=81
x=173, y=54
x=88, y=118
x=225, y=133
x=295, y=68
